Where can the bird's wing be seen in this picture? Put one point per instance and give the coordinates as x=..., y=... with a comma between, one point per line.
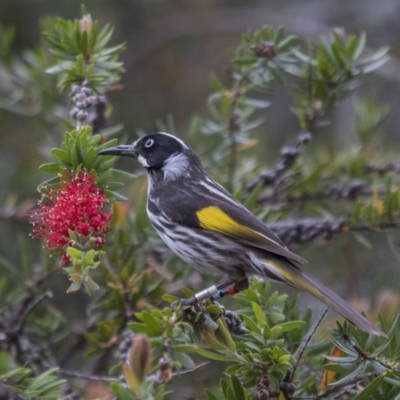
x=237, y=222
x=214, y=209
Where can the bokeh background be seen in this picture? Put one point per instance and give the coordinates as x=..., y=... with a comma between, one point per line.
x=172, y=49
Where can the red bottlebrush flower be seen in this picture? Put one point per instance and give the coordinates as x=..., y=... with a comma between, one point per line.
x=77, y=205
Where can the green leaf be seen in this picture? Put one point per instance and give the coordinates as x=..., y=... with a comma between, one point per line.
x=91, y=286
x=259, y=314
x=93, y=140
x=244, y=62
x=50, y=168
x=74, y=253
x=213, y=356
x=106, y=163
x=61, y=155
x=391, y=381
x=88, y=258
x=103, y=178
x=114, y=186
x=210, y=396
x=237, y=388
x=154, y=325
x=251, y=325
x=253, y=196
x=187, y=292
x=291, y=325
x=358, y=371
x=229, y=394
x=184, y=360
x=138, y=327
x=115, y=195
x=169, y=298
x=286, y=43
x=370, y=389
x=373, y=65
x=123, y=176
x=256, y=103
x=214, y=309
x=56, y=69
x=360, y=45
x=89, y=159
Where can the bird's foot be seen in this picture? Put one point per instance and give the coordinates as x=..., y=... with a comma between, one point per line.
x=233, y=322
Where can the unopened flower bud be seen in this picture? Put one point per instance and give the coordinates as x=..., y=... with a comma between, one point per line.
x=265, y=49
x=86, y=24
x=140, y=357
x=75, y=89
x=65, y=259
x=82, y=115
x=287, y=387
x=80, y=97
x=97, y=241
x=318, y=108
x=80, y=104
x=73, y=113
x=340, y=31
x=165, y=367
x=305, y=137
x=100, y=241
x=261, y=394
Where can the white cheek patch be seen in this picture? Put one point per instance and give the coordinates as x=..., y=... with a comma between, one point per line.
x=143, y=161
x=175, y=166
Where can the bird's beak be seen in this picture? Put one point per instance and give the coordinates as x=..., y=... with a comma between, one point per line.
x=123, y=150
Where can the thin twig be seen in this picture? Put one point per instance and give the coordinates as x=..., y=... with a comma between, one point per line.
x=366, y=357
x=276, y=176
x=350, y=191
x=155, y=377
x=306, y=230
x=352, y=382
x=310, y=336
x=186, y=371
x=78, y=375
x=29, y=309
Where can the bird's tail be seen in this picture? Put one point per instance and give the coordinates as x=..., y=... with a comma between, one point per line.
x=300, y=279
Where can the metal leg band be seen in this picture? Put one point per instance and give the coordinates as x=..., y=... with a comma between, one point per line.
x=206, y=293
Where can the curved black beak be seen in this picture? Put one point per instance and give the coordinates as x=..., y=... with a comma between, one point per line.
x=123, y=150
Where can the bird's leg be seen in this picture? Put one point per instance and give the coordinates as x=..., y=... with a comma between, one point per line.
x=215, y=291
x=227, y=290
x=227, y=286
x=209, y=292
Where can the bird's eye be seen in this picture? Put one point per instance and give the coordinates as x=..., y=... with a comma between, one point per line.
x=149, y=143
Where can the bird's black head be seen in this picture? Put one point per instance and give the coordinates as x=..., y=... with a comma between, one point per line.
x=159, y=151
x=153, y=151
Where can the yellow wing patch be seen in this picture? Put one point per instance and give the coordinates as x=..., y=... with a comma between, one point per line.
x=214, y=219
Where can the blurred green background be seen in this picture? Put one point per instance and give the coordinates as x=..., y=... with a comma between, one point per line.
x=172, y=48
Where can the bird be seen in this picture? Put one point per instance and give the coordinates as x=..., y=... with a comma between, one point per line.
x=204, y=225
